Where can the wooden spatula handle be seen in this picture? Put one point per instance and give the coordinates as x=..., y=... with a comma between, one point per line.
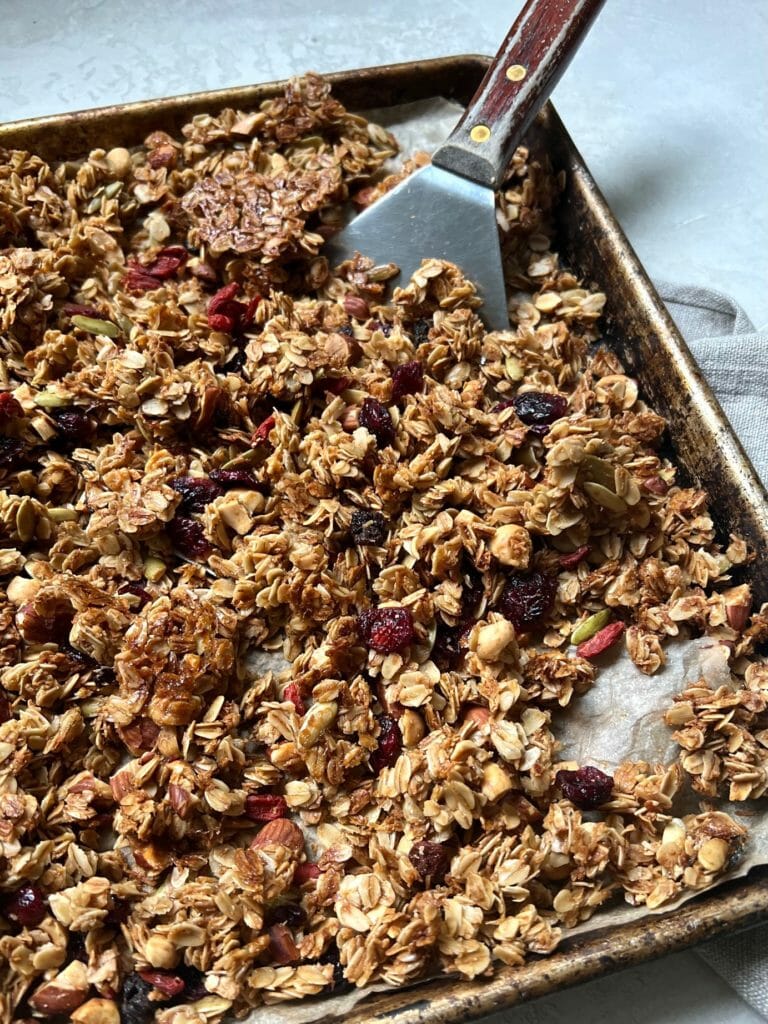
x=526, y=69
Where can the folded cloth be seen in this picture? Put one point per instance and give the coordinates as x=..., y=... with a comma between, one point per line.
x=734, y=359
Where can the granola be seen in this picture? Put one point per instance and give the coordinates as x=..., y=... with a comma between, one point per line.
x=215, y=445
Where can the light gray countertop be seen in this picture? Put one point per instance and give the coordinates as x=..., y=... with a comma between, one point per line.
x=667, y=102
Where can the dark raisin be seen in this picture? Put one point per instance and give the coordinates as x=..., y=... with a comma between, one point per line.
x=420, y=330
x=194, y=983
x=538, y=409
x=78, y=658
x=347, y=330
x=189, y=537
x=375, y=418
x=10, y=409
x=382, y=325
x=135, y=1005
x=118, y=912
x=5, y=707
x=431, y=860
x=386, y=629
x=339, y=983
x=76, y=947
x=74, y=426
x=13, y=453
x=236, y=363
x=587, y=787
x=242, y=478
x=292, y=914
x=528, y=598
x=135, y=590
x=368, y=527
x=451, y=642
x=27, y=906
x=196, y=492
x=390, y=744
x=407, y=379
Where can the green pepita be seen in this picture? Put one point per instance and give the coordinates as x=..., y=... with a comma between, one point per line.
x=514, y=368
x=599, y=471
x=51, y=400
x=63, y=515
x=605, y=498
x=590, y=626
x=113, y=189
x=93, y=326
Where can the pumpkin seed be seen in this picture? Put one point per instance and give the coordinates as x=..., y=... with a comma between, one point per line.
x=154, y=569
x=26, y=520
x=51, y=399
x=599, y=471
x=605, y=498
x=112, y=189
x=590, y=626
x=514, y=368
x=63, y=515
x=93, y=326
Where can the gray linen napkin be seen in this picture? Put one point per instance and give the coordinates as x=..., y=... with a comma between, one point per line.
x=734, y=359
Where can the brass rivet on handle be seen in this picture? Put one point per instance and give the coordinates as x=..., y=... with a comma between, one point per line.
x=516, y=73
x=480, y=133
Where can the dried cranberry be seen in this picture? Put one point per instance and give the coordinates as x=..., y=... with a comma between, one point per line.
x=335, y=386
x=136, y=590
x=571, y=560
x=135, y=1005
x=292, y=914
x=420, y=330
x=587, y=787
x=167, y=262
x=538, y=409
x=368, y=527
x=188, y=536
x=196, y=492
x=226, y=313
x=261, y=434
x=171, y=985
x=293, y=694
x=390, y=744
x=137, y=280
x=265, y=807
x=527, y=598
x=601, y=641
x=242, y=478
x=375, y=418
x=27, y=906
x=431, y=860
x=407, y=379
x=386, y=629
x=10, y=408
x=12, y=453
x=306, y=872
x=73, y=425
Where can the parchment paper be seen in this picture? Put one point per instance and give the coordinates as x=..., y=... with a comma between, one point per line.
x=619, y=719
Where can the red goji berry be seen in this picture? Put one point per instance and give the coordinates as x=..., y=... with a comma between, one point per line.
x=601, y=641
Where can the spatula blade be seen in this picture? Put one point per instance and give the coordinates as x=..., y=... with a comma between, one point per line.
x=433, y=213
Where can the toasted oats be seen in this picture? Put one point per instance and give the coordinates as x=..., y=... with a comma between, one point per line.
x=156, y=782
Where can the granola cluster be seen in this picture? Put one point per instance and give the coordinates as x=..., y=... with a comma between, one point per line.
x=296, y=575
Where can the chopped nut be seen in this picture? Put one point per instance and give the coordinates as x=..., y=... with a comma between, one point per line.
x=96, y=1011
x=511, y=545
x=63, y=993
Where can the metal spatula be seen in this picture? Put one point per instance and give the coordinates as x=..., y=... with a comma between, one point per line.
x=446, y=210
